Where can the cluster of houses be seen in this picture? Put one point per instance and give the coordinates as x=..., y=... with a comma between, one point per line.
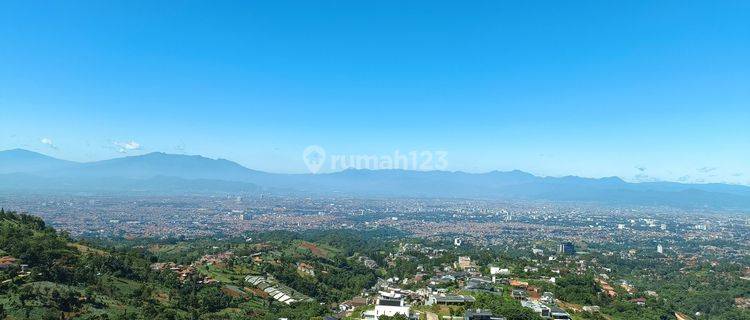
x=218, y=259
x=545, y=304
x=183, y=271
x=607, y=289
x=8, y=262
x=389, y=299
x=367, y=262
x=306, y=269
x=545, y=311
x=391, y=303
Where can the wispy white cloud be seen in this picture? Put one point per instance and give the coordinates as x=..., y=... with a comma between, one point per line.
x=124, y=147
x=48, y=142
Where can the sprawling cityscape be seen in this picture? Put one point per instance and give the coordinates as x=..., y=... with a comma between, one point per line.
x=375, y=160
x=436, y=258
x=480, y=222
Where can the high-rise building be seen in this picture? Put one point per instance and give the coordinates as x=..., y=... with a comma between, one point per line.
x=566, y=248
x=659, y=249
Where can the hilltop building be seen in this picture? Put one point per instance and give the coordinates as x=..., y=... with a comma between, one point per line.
x=388, y=304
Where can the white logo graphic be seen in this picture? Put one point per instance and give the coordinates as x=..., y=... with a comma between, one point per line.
x=314, y=156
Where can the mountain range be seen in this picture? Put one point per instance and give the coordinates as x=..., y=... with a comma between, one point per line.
x=161, y=173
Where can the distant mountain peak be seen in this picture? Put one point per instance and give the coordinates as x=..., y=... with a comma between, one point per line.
x=24, y=152
x=612, y=179
x=26, y=161
x=201, y=173
x=512, y=172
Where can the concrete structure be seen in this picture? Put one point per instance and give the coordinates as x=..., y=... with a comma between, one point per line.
x=537, y=307
x=518, y=294
x=464, y=262
x=548, y=298
x=448, y=299
x=591, y=309
x=388, y=304
x=559, y=314
x=499, y=271
x=480, y=314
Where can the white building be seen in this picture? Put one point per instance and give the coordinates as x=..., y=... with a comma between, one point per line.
x=388, y=304
x=499, y=271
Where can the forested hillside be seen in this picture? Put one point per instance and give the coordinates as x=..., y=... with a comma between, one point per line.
x=46, y=275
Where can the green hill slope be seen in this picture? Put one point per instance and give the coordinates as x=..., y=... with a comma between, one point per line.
x=46, y=275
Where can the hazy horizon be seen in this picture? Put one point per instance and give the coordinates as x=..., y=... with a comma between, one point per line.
x=641, y=91
x=365, y=168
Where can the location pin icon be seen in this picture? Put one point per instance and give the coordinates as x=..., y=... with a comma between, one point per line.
x=314, y=156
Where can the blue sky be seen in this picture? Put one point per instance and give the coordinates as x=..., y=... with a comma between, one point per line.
x=639, y=89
